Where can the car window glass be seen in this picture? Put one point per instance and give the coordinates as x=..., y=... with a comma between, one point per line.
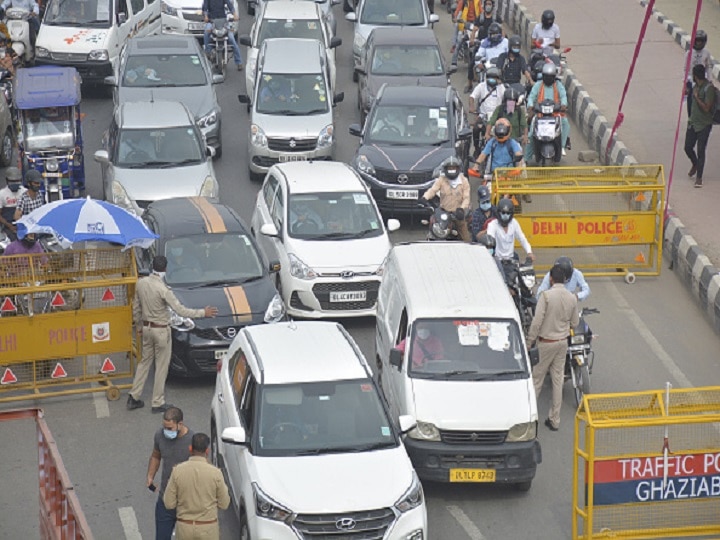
x=410, y=60
x=269, y=190
x=137, y=6
x=239, y=374
x=160, y=147
x=402, y=329
x=92, y=13
x=123, y=7
x=278, y=210
x=409, y=124
x=247, y=405
x=290, y=28
x=395, y=13
x=163, y=70
x=292, y=95
x=337, y=215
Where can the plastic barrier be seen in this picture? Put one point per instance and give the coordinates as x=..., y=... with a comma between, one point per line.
x=609, y=220
x=66, y=320
x=647, y=465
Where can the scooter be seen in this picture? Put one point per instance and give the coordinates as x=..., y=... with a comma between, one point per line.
x=465, y=52
x=546, y=132
x=17, y=22
x=441, y=225
x=580, y=356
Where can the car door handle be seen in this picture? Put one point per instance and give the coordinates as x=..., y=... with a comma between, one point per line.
x=221, y=398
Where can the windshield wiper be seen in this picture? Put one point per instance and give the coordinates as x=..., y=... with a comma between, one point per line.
x=331, y=236
x=459, y=372
x=313, y=111
x=168, y=164
x=224, y=282
x=140, y=165
x=440, y=143
x=347, y=449
x=64, y=23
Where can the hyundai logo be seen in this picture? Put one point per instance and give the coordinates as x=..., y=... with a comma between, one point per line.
x=231, y=332
x=402, y=178
x=347, y=274
x=292, y=143
x=474, y=437
x=345, y=524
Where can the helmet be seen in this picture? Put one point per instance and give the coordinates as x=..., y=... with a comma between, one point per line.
x=506, y=211
x=511, y=94
x=451, y=167
x=483, y=194
x=567, y=266
x=700, y=40
x=502, y=130
x=514, y=44
x=13, y=174
x=549, y=73
x=493, y=76
x=548, y=18
x=33, y=177
x=495, y=33
x=488, y=241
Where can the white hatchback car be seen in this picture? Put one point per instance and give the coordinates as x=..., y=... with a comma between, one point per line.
x=307, y=446
x=320, y=220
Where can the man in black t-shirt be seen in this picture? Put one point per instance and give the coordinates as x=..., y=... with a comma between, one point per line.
x=512, y=64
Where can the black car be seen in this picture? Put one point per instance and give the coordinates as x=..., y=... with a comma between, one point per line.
x=409, y=132
x=212, y=260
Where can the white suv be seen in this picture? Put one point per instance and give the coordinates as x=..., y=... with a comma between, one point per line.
x=308, y=448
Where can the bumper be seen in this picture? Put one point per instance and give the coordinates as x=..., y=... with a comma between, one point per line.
x=311, y=299
x=394, y=206
x=512, y=462
x=91, y=72
x=181, y=27
x=262, y=159
x=212, y=134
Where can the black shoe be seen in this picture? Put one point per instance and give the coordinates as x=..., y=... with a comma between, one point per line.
x=162, y=408
x=549, y=425
x=133, y=403
x=568, y=146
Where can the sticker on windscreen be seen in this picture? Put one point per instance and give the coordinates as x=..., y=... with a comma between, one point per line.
x=324, y=398
x=385, y=431
x=247, y=240
x=312, y=25
x=195, y=60
x=374, y=225
x=361, y=198
x=468, y=335
x=434, y=113
x=366, y=387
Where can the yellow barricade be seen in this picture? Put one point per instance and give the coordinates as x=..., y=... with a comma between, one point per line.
x=607, y=219
x=647, y=465
x=65, y=321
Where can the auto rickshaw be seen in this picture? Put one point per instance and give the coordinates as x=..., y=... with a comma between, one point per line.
x=47, y=105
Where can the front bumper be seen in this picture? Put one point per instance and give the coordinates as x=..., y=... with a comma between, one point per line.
x=212, y=134
x=513, y=462
x=311, y=298
x=91, y=72
x=176, y=25
x=262, y=158
x=391, y=206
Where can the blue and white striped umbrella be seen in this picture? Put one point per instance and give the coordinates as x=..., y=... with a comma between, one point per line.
x=78, y=220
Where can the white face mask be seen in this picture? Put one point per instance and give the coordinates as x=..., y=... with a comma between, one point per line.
x=423, y=333
x=160, y=274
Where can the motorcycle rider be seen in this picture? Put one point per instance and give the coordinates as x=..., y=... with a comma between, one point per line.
x=33, y=8
x=468, y=11
x=215, y=9
x=9, y=197
x=482, y=216
x=513, y=112
x=483, y=100
x=546, y=34
x=574, y=279
x=502, y=150
x=479, y=33
x=453, y=189
x=698, y=55
x=492, y=46
x=512, y=64
x=505, y=230
x=32, y=198
x=541, y=89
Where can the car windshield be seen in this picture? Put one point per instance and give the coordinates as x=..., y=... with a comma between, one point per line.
x=289, y=28
x=466, y=349
x=395, y=13
x=322, y=417
x=406, y=60
x=292, y=95
x=85, y=13
x=159, y=147
x=338, y=216
x=204, y=258
x=408, y=124
x=51, y=127
x=153, y=71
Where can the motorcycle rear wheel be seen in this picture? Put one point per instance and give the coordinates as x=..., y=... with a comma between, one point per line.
x=582, y=382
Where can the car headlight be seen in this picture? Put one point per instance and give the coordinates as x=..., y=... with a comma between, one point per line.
x=358, y=43
x=529, y=280
x=577, y=339
x=121, y=198
x=257, y=136
x=439, y=231
x=299, y=269
x=51, y=165
x=325, y=138
x=275, y=310
x=412, y=498
x=42, y=52
x=167, y=9
x=424, y=431
x=381, y=269
x=98, y=55
x=522, y=432
x=267, y=508
x=207, y=120
x=363, y=165
x=208, y=188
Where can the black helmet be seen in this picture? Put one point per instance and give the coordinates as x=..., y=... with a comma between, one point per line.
x=700, y=40
x=506, y=211
x=495, y=33
x=483, y=194
x=514, y=42
x=13, y=174
x=549, y=73
x=511, y=94
x=548, y=18
x=488, y=241
x=567, y=266
x=451, y=167
x=502, y=130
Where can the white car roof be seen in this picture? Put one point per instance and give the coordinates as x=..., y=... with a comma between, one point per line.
x=320, y=177
x=305, y=351
x=289, y=9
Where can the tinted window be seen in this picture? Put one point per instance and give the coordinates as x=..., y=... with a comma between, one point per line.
x=152, y=71
x=162, y=147
x=408, y=124
x=137, y=6
x=239, y=375
x=292, y=95
x=334, y=216
x=406, y=60
x=395, y=13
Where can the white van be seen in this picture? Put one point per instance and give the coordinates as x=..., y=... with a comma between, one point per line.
x=465, y=375
x=89, y=34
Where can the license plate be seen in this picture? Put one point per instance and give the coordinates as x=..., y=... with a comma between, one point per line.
x=546, y=129
x=472, y=475
x=219, y=355
x=52, y=174
x=284, y=158
x=196, y=26
x=349, y=296
x=402, y=194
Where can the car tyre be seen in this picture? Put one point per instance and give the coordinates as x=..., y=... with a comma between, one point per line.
x=243, y=527
x=255, y=177
x=6, y=150
x=523, y=486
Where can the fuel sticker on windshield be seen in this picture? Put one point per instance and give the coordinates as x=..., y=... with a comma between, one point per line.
x=442, y=123
x=434, y=113
x=312, y=25
x=361, y=198
x=385, y=431
x=499, y=337
x=195, y=60
x=247, y=240
x=374, y=225
x=267, y=78
x=366, y=387
x=468, y=335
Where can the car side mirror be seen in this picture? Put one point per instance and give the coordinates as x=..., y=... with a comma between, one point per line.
x=352, y=16
x=407, y=422
x=393, y=225
x=218, y=78
x=110, y=80
x=335, y=42
x=269, y=229
x=464, y=133
x=234, y=435
x=451, y=70
x=534, y=355
x=337, y=98
x=245, y=40
x=121, y=18
x=274, y=267
x=244, y=98
x=396, y=358
x=434, y=18
x=101, y=156
x=355, y=129
x=210, y=151
x=334, y=2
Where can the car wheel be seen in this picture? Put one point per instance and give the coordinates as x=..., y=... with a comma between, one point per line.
x=6, y=151
x=218, y=150
x=244, y=529
x=523, y=486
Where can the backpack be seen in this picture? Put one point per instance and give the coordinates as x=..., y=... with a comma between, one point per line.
x=716, y=105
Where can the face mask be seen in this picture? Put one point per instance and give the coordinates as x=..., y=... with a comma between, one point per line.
x=488, y=8
x=34, y=186
x=14, y=186
x=505, y=216
x=515, y=51
x=161, y=274
x=492, y=82
x=170, y=433
x=509, y=106
x=423, y=333
x=485, y=206
x=28, y=241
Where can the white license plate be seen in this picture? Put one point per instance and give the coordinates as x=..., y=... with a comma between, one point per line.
x=52, y=174
x=196, y=26
x=546, y=129
x=219, y=355
x=348, y=296
x=402, y=194
x=284, y=158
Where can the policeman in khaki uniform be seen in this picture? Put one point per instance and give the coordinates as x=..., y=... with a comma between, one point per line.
x=196, y=490
x=150, y=309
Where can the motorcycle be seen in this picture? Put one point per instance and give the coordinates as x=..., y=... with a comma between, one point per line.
x=520, y=279
x=465, y=52
x=18, y=26
x=546, y=132
x=538, y=59
x=441, y=225
x=219, y=44
x=580, y=356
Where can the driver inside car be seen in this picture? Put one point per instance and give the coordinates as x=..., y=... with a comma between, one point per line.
x=426, y=346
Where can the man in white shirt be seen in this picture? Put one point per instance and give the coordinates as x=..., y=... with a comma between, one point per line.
x=484, y=99
x=505, y=229
x=546, y=34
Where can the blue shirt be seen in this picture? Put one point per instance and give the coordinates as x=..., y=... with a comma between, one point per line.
x=576, y=281
x=501, y=154
x=30, y=5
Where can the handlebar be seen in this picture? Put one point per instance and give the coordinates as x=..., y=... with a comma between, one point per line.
x=590, y=311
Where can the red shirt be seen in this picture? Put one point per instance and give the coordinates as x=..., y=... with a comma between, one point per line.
x=424, y=350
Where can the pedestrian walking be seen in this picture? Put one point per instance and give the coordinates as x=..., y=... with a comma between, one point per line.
x=555, y=315
x=171, y=446
x=699, y=55
x=700, y=122
x=32, y=199
x=196, y=490
x=150, y=313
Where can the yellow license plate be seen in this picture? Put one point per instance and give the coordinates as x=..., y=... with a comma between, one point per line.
x=472, y=475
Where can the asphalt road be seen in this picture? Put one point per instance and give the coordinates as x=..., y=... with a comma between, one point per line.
x=648, y=333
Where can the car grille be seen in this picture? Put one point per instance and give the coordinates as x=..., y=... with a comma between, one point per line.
x=472, y=462
x=69, y=57
x=227, y=333
x=322, y=293
x=369, y=525
x=298, y=145
x=193, y=16
x=391, y=177
x=206, y=365
x=473, y=437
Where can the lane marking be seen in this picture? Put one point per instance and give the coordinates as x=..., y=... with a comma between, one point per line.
x=102, y=410
x=465, y=522
x=129, y=523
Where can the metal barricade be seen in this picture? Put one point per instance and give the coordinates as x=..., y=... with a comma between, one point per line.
x=647, y=465
x=61, y=516
x=609, y=220
x=66, y=321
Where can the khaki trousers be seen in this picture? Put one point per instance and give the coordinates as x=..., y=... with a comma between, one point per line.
x=156, y=347
x=552, y=358
x=186, y=531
